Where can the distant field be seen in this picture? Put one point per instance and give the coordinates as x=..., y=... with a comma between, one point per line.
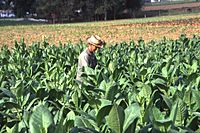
x=170, y=3
x=171, y=6
x=111, y=31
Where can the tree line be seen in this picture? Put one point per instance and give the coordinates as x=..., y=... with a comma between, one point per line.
x=74, y=10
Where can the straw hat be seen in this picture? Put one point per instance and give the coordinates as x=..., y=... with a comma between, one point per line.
x=96, y=41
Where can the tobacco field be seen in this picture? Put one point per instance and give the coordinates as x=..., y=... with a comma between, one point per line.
x=136, y=87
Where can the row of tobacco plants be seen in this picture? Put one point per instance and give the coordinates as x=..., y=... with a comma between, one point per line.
x=136, y=87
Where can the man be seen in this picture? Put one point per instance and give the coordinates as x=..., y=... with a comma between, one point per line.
x=87, y=57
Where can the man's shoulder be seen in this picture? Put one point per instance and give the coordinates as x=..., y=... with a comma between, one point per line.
x=83, y=53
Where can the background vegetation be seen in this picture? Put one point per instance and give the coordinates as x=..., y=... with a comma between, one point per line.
x=72, y=10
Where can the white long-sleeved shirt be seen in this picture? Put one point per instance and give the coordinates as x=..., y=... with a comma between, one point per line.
x=86, y=58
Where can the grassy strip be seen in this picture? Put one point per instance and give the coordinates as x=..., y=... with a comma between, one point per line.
x=5, y=22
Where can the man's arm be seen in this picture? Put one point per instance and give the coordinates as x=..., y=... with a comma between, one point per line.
x=82, y=62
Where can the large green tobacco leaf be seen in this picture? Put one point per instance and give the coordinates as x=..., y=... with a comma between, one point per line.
x=60, y=124
x=75, y=98
x=89, y=71
x=111, y=66
x=17, y=128
x=160, y=83
x=193, y=123
x=7, y=93
x=83, y=130
x=164, y=72
x=83, y=122
x=148, y=109
x=40, y=120
x=195, y=100
x=111, y=92
x=10, y=105
x=159, y=122
x=168, y=101
x=104, y=111
x=110, y=88
x=132, y=113
x=194, y=66
x=14, y=129
x=115, y=118
x=145, y=90
x=173, y=113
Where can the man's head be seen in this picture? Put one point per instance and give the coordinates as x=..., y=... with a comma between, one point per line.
x=94, y=42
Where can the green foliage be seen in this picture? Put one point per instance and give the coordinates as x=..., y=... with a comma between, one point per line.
x=116, y=119
x=84, y=9
x=40, y=120
x=135, y=87
x=21, y=7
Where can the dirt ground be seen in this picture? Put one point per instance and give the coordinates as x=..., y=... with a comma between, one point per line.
x=111, y=33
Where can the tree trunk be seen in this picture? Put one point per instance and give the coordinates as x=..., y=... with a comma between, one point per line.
x=68, y=17
x=105, y=15
x=105, y=10
x=133, y=13
x=114, y=14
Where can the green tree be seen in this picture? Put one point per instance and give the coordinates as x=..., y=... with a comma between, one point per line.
x=6, y=4
x=133, y=6
x=46, y=9
x=21, y=7
x=86, y=8
x=67, y=8
x=55, y=10
x=115, y=7
x=118, y=6
x=2, y=4
x=103, y=7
